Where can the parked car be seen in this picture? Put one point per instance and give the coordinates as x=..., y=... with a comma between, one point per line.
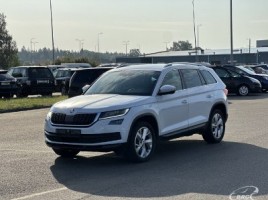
x=257, y=69
x=236, y=83
x=263, y=78
x=76, y=65
x=84, y=77
x=8, y=85
x=33, y=80
x=62, y=79
x=54, y=68
x=128, y=109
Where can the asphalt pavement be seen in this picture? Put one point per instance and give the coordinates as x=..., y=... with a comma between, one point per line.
x=185, y=168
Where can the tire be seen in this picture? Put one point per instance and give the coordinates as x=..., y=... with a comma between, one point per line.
x=243, y=90
x=141, y=143
x=215, y=128
x=66, y=153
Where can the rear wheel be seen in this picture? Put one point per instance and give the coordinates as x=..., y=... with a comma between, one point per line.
x=68, y=153
x=243, y=90
x=215, y=128
x=142, y=142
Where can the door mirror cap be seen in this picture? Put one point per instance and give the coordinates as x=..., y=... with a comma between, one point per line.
x=167, y=89
x=85, y=88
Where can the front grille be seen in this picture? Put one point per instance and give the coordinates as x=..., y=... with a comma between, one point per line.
x=78, y=119
x=80, y=138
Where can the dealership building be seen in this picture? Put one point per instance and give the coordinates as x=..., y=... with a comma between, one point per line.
x=219, y=56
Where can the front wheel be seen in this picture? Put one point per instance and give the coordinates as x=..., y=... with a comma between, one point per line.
x=67, y=153
x=142, y=142
x=243, y=90
x=215, y=127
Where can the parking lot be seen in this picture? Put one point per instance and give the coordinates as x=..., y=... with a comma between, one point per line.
x=186, y=168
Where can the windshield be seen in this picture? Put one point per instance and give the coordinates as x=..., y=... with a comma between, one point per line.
x=126, y=82
x=246, y=70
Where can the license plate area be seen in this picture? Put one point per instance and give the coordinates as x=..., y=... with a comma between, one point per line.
x=5, y=83
x=42, y=81
x=68, y=131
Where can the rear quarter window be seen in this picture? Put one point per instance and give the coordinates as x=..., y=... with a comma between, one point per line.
x=191, y=78
x=208, y=77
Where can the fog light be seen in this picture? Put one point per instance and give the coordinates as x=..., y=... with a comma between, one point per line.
x=116, y=122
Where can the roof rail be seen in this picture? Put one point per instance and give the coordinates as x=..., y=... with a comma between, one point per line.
x=168, y=65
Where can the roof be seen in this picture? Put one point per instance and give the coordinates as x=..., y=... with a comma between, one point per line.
x=206, y=52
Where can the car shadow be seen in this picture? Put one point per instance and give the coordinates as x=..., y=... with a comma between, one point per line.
x=178, y=167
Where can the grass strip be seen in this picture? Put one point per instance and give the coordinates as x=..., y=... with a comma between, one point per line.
x=19, y=104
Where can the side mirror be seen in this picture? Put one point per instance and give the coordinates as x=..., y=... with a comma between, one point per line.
x=85, y=88
x=167, y=89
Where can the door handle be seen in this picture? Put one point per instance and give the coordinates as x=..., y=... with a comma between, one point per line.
x=184, y=101
x=209, y=96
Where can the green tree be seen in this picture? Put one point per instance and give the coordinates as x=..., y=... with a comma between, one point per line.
x=181, y=46
x=134, y=53
x=8, y=47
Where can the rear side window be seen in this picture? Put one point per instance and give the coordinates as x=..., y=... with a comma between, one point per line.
x=40, y=73
x=222, y=73
x=208, y=77
x=191, y=78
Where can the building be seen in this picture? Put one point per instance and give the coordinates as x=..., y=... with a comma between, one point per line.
x=262, y=43
x=219, y=56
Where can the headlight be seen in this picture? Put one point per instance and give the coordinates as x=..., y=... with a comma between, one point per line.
x=49, y=114
x=265, y=77
x=114, y=113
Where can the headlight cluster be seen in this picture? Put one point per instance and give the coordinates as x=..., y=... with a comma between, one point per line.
x=114, y=113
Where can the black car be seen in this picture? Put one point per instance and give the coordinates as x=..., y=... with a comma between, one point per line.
x=237, y=83
x=62, y=79
x=263, y=78
x=33, y=80
x=84, y=77
x=8, y=85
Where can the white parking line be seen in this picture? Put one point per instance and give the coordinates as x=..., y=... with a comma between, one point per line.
x=40, y=193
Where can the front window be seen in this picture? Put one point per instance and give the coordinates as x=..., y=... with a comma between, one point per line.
x=126, y=82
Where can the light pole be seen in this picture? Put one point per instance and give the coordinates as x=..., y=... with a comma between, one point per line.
x=126, y=43
x=196, y=56
x=31, y=42
x=80, y=42
x=198, y=26
x=52, y=33
x=231, y=32
x=99, y=41
x=166, y=45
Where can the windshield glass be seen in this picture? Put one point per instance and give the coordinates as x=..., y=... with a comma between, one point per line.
x=246, y=70
x=126, y=82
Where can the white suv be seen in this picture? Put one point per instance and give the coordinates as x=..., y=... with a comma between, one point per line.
x=128, y=109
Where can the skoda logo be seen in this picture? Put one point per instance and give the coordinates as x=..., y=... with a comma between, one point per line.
x=72, y=110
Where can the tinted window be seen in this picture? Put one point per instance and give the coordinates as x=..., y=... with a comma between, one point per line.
x=126, y=82
x=5, y=76
x=208, y=77
x=222, y=73
x=40, y=73
x=191, y=78
x=234, y=74
x=173, y=78
x=84, y=77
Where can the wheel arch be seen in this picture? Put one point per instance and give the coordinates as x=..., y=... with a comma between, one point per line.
x=148, y=118
x=222, y=107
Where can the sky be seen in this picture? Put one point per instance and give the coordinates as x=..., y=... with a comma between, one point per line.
x=147, y=24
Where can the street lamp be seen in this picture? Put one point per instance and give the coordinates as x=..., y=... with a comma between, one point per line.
x=99, y=41
x=80, y=42
x=32, y=42
x=198, y=26
x=231, y=32
x=196, y=56
x=126, y=43
x=52, y=34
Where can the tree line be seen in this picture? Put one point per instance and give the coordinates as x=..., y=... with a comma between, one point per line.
x=10, y=55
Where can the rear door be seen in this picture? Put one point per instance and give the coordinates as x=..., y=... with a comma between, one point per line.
x=200, y=97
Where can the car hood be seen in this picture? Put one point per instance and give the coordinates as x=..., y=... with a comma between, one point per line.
x=99, y=103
